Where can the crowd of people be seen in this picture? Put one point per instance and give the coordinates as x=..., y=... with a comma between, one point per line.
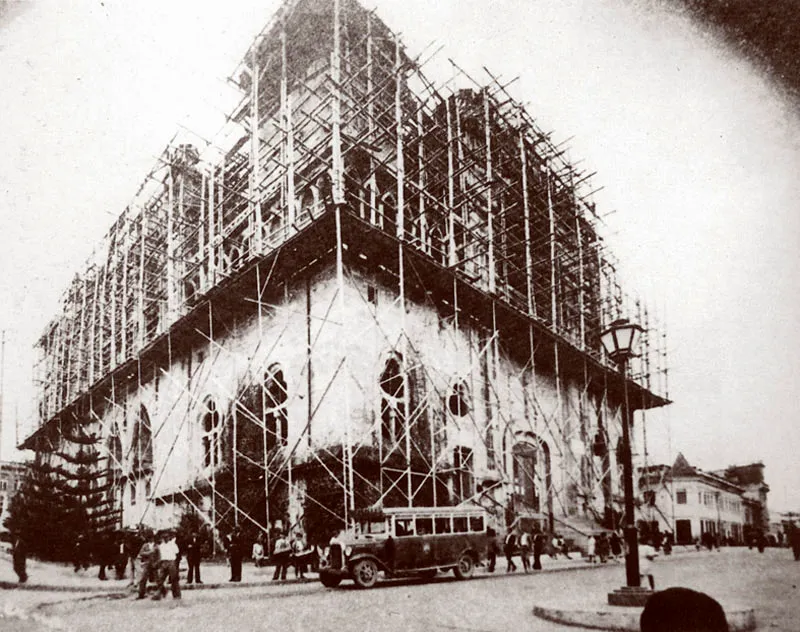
x=151, y=559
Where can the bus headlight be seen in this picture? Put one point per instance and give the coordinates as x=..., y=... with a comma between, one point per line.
x=348, y=550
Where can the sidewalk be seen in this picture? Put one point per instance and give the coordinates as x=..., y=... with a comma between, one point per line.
x=50, y=576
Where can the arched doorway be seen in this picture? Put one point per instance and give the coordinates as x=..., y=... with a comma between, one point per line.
x=532, y=478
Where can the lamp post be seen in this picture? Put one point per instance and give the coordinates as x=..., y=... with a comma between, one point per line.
x=620, y=340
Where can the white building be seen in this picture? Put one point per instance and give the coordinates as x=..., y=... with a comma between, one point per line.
x=689, y=502
x=381, y=298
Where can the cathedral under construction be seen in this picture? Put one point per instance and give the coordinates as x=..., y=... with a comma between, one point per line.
x=367, y=291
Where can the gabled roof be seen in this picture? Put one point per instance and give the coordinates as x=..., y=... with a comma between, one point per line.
x=681, y=467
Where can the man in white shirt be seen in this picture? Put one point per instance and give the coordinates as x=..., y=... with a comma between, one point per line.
x=168, y=566
x=281, y=555
x=646, y=556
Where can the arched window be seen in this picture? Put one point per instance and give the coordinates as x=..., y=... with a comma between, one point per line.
x=393, y=408
x=532, y=474
x=275, y=407
x=142, y=444
x=211, y=427
x=458, y=402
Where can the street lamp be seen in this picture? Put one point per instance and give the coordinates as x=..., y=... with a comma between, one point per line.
x=620, y=340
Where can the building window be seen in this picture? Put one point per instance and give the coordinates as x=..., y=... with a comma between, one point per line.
x=393, y=407
x=276, y=416
x=211, y=428
x=650, y=497
x=132, y=491
x=526, y=481
x=680, y=497
x=142, y=444
x=463, y=466
x=458, y=402
x=372, y=294
x=3, y=485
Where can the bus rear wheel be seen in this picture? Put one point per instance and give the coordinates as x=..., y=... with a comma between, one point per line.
x=465, y=566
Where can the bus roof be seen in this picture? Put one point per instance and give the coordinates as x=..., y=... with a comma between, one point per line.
x=392, y=511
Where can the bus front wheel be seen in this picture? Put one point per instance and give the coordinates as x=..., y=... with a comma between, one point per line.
x=329, y=580
x=365, y=573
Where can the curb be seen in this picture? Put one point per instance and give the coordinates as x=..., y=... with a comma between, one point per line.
x=622, y=619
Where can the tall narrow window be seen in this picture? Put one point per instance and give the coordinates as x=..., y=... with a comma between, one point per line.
x=142, y=444
x=275, y=407
x=211, y=428
x=393, y=409
x=464, y=480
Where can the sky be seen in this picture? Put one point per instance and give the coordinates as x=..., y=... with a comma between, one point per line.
x=696, y=149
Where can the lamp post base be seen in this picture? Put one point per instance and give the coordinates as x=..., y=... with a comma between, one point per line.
x=630, y=596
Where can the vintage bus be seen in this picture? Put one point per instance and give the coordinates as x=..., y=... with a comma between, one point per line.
x=408, y=541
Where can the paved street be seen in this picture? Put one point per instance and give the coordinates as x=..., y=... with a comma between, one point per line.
x=503, y=602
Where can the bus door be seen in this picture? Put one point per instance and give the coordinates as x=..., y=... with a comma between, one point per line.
x=425, y=545
x=446, y=540
x=406, y=543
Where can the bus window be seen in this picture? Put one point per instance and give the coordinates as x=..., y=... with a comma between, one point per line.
x=403, y=527
x=424, y=526
x=443, y=524
x=460, y=524
x=377, y=527
x=476, y=523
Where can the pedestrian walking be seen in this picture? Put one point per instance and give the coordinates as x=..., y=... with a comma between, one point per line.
x=647, y=554
x=148, y=562
x=235, y=554
x=509, y=549
x=194, y=553
x=80, y=553
x=615, y=544
x=120, y=555
x=794, y=541
x=19, y=555
x=591, y=543
x=258, y=552
x=666, y=545
x=281, y=555
x=603, y=548
x=134, y=540
x=539, y=542
x=169, y=557
x=298, y=551
x=525, y=546
x=491, y=548
x=105, y=553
